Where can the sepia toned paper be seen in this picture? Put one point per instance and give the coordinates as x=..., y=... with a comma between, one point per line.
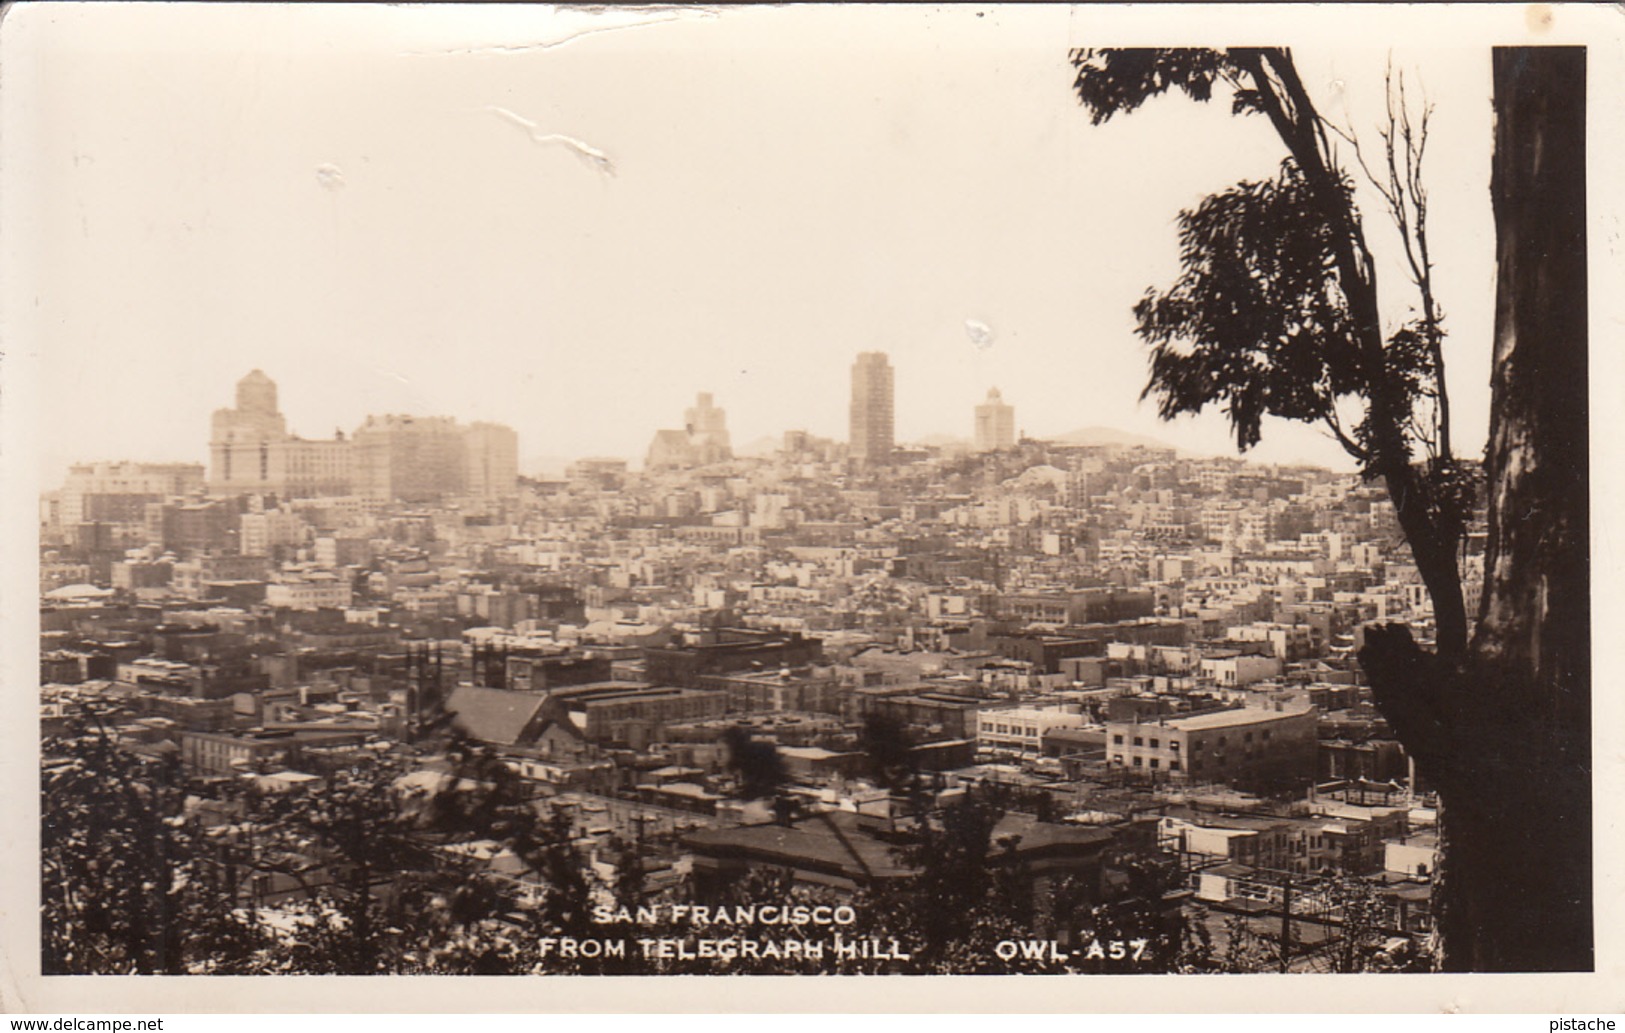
x=573, y=221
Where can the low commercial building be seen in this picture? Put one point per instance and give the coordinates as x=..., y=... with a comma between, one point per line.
x=229, y=753
x=1416, y=856
x=845, y=852
x=1207, y=840
x=536, y=672
x=814, y=763
x=632, y=713
x=1377, y=760
x=730, y=649
x=1022, y=729
x=932, y=714
x=312, y=592
x=808, y=690
x=1245, y=747
x=1233, y=670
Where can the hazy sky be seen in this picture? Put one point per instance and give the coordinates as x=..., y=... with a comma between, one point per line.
x=543, y=219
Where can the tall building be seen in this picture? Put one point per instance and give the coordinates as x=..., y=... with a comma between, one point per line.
x=873, y=413
x=995, y=424
x=242, y=437
x=493, y=459
x=414, y=459
x=409, y=458
x=250, y=449
x=702, y=441
x=308, y=468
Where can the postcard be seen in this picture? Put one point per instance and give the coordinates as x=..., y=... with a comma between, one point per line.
x=812, y=507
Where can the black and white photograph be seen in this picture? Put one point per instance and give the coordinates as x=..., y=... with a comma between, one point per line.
x=996, y=491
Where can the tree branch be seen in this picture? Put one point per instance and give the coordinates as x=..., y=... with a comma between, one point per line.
x=1332, y=421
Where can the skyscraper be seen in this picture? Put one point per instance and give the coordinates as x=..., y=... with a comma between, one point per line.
x=242, y=438
x=410, y=458
x=414, y=459
x=493, y=459
x=873, y=417
x=995, y=424
x=251, y=450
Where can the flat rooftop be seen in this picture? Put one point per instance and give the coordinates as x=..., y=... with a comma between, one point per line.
x=1229, y=718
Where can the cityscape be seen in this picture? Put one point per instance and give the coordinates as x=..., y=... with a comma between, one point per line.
x=994, y=704
x=808, y=490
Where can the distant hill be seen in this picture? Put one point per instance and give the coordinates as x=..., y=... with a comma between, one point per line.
x=763, y=447
x=1107, y=436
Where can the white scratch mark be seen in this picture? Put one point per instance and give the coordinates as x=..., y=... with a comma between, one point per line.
x=586, y=152
x=665, y=15
x=980, y=334
x=330, y=177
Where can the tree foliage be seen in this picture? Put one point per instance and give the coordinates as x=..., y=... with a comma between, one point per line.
x=756, y=763
x=1276, y=309
x=1255, y=323
x=117, y=861
x=884, y=739
x=381, y=885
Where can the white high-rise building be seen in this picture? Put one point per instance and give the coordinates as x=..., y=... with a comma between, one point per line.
x=995, y=424
x=873, y=412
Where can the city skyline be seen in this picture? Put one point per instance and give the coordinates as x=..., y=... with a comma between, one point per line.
x=459, y=263
x=257, y=420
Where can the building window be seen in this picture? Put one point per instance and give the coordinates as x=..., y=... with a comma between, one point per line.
x=1266, y=734
x=1139, y=762
x=1155, y=743
x=1139, y=740
x=1117, y=740
x=1173, y=744
x=1154, y=762
x=1173, y=765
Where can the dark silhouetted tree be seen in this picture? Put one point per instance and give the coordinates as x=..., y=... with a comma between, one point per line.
x=114, y=873
x=884, y=740
x=1276, y=311
x=1505, y=736
x=756, y=764
x=356, y=825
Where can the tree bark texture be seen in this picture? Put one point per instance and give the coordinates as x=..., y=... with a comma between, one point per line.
x=1505, y=734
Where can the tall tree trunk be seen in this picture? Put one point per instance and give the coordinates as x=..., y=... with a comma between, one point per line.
x=1434, y=549
x=1505, y=736
x=1535, y=625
